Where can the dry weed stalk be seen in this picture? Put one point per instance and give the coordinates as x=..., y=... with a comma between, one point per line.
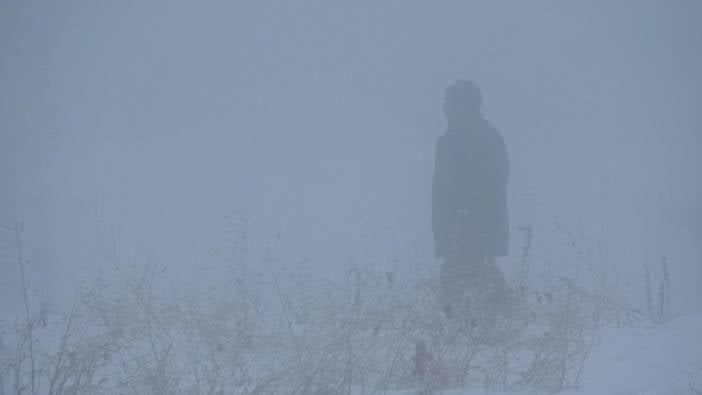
x=372, y=332
x=658, y=312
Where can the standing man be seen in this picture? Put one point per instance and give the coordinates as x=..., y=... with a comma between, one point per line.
x=469, y=199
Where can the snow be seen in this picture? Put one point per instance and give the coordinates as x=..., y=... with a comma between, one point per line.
x=645, y=360
x=657, y=360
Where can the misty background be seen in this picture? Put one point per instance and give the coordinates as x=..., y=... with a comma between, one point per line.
x=128, y=130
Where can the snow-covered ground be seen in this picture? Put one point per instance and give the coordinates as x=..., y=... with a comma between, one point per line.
x=663, y=360
x=652, y=360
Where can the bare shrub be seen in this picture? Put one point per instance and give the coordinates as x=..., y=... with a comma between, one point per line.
x=371, y=332
x=658, y=301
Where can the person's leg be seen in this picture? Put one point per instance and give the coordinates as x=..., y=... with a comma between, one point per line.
x=450, y=282
x=496, y=275
x=497, y=292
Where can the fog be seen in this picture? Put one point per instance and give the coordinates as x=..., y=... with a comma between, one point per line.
x=129, y=130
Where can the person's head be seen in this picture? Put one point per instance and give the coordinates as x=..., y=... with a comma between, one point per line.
x=462, y=100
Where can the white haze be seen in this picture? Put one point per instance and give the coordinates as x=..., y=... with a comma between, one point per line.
x=134, y=127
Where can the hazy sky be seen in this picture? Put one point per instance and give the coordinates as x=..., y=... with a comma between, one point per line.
x=135, y=126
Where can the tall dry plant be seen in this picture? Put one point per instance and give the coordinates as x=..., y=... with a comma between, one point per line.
x=367, y=333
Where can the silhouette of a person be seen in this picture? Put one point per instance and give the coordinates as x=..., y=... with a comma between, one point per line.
x=469, y=199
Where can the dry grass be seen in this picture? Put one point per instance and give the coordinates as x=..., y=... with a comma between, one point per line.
x=372, y=332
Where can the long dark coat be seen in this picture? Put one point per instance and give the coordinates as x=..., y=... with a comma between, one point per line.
x=469, y=199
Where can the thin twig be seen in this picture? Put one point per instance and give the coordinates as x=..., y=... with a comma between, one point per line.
x=17, y=229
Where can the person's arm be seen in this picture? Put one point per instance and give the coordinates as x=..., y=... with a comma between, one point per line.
x=503, y=166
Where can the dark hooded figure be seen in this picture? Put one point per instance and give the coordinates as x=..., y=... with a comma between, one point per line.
x=469, y=200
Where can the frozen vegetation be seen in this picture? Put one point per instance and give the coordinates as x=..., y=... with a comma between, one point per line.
x=373, y=333
x=536, y=228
